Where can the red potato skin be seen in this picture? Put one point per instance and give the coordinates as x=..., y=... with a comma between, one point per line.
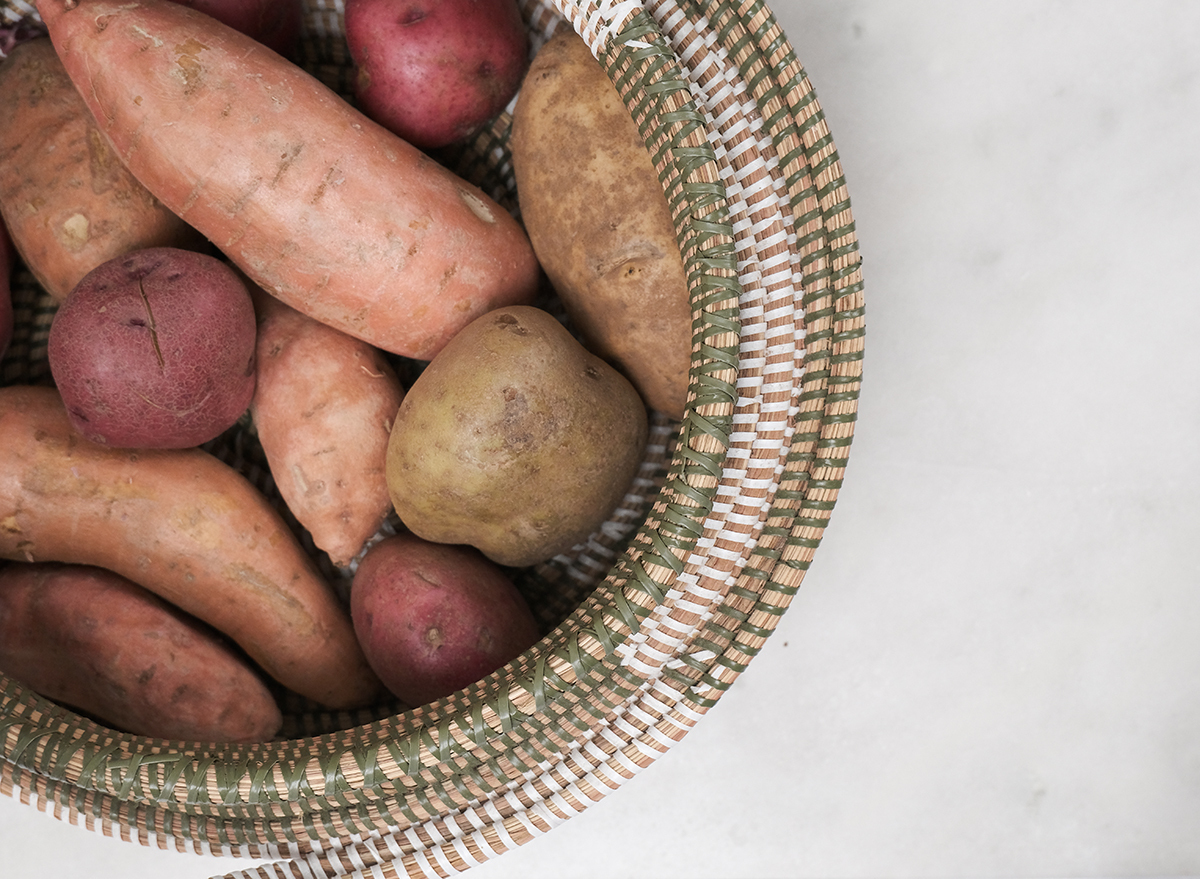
x=184, y=525
x=323, y=412
x=69, y=203
x=321, y=207
x=274, y=23
x=155, y=349
x=434, y=618
x=435, y=71
x=7, y=259
x=96, y=642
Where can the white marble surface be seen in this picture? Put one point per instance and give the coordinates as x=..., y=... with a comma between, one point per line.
x=993, y=668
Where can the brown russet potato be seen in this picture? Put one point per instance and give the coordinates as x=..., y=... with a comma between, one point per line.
x=98, y=643
x=599, y=222
x=433, y=618
x=155, y=350
x=515, y=440
x=186, y=526
x=323, y=410
x=68, y=201
x=320, y=206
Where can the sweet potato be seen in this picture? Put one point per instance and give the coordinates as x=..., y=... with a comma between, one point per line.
x=184, y=525
x=323, y=411
x=96, y=642
x=323, y=208
x=69, y=203
x=6, y=308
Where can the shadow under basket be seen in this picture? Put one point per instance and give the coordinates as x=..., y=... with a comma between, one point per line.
x=649, y=622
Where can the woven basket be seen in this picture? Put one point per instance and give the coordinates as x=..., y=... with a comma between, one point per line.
x=650, y=621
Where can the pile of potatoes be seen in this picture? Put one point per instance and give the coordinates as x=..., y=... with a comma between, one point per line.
x=230, y=245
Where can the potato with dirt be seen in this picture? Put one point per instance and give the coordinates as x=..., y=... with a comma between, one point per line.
x=600, y=225
x=436, y=71
x=187, y=527
x=155, y=350
x=321, y=207
x=92, y=640
x=68, y=201
x=515, y=440
x=322, y=410
x=433, y=619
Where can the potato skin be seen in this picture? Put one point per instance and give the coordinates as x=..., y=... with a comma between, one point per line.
x=155, y=349
x=435, y=71
x=7, y=255
x=320, y=206
x=94, y=641
x=515, y=439
x=67, y=199
x=274, y=23
x=323, y=411
x=433, y=619
x=184, y=525
x=599, y=222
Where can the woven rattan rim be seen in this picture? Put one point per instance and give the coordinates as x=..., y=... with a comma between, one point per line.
x=752, y=474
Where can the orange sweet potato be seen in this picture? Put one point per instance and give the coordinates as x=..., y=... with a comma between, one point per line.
x=323, y=410
x=7, y=257
x=320, y=206
x=92, y=640
x=69, y=203
x=184, y=525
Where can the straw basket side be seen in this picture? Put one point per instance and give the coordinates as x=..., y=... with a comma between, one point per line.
x=650, y=621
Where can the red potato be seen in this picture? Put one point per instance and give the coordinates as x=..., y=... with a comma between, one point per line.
x=433, y=618
x=184, y=525
x=436, y=71
x=274, y=23
x=323, y=411
x=96, y=642
x=320, y=206
x=7, y=256
x=155, y=349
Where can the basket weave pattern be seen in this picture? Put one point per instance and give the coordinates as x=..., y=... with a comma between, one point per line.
x=664, y=608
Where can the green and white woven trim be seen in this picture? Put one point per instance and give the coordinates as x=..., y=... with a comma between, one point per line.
x=666, y=605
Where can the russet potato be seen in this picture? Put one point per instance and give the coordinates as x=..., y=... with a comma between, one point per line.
x=599, y=221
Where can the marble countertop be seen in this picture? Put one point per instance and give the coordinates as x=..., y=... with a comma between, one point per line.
x=993, y=666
